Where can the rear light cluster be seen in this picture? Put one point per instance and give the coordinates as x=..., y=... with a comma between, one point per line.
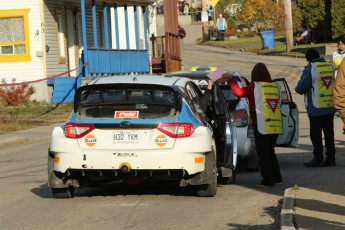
x=240, y=117
x=75, y=131
x=176, y=130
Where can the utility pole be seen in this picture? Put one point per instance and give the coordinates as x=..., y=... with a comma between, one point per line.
x=288, y=25
x=204, y=19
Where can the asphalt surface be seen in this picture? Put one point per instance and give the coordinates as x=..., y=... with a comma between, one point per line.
x=305, y=206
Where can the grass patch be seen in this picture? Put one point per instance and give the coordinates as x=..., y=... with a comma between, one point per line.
x=14, y=118
x=254, y=45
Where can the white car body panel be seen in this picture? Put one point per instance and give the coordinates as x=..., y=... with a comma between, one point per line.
x=245, y=144
x=290, y=132
x=180, y=154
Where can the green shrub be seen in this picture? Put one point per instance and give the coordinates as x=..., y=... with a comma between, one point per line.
x=246, y=34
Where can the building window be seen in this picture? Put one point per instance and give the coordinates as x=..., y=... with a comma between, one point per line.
x=14, y=36
x=61, y=36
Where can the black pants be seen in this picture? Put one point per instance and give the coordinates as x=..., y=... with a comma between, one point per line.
x=221, y=35
x=269, y=165
x=318, y=125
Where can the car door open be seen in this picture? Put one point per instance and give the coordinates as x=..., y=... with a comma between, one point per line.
x=289, y=111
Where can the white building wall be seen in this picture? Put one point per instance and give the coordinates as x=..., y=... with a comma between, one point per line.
x=141, y=30
x=26, y=70
x=131, y=28
x=122, y=27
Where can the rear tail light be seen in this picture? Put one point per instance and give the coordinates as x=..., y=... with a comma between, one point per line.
x=176, y=130
x=75, y=131
x=240, y=117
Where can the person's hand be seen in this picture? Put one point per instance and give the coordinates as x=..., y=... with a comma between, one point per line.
x=210, y=85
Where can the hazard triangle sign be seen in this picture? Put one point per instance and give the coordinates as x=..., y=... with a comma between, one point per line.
x=272, y=103
x=327, y=81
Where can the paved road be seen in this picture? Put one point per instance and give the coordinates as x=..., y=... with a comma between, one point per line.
x=26, y=201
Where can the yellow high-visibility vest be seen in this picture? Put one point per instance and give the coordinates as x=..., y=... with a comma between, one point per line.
x=267, y=106
x=322, y=74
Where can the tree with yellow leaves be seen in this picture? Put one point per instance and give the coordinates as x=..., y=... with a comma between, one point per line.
x=264, y=14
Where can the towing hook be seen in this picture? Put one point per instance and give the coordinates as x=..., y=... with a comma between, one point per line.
x=125, y=168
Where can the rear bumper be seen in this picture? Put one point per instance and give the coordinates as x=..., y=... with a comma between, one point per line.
x=113, y=160
x=60, y=176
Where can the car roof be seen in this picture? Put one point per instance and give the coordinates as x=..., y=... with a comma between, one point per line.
x=190, y=74
x=142, y=79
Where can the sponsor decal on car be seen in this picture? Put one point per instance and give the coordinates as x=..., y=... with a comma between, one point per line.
x=161, y=140
x=125, y=154
x=90, y=140
x=126, y=114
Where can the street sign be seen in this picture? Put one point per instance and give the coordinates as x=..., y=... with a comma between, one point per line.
x=213, y=2
x=204, y=17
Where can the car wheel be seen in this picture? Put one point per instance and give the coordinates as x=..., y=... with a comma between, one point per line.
x=63, y=192
x=228, y=180
x=209, y=190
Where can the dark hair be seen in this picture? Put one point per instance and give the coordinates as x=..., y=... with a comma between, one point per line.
x=311, y=54
x=260, y=73
x=341, y=40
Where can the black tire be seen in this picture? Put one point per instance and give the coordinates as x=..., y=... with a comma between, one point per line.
x=63, y=192
x=228, y=180
x=209, y=190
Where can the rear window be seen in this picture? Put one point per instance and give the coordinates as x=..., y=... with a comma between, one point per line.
x=127, y=101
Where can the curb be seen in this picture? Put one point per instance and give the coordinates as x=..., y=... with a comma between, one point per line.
x=287, y=212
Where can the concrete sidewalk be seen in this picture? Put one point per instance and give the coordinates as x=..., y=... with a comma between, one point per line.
x=313, y=208
x=320, y=207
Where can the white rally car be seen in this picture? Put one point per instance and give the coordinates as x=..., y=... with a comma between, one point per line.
x=135, y=128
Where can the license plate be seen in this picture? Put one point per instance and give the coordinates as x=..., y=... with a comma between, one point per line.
x=123, y=137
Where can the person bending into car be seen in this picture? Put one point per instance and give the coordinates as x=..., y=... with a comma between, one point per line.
x=264, y=104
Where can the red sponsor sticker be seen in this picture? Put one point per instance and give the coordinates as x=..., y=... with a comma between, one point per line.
x=126, y=114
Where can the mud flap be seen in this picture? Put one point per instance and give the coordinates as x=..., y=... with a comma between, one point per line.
x=205, y=177
x=56, y=179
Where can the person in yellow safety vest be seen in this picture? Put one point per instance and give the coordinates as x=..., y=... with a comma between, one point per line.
x=267, y=104
x=264, y=105
x=316, y=83
x=338, y=55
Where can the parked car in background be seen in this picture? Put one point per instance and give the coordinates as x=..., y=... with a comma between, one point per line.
x=140, y=128
x=239, y=110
